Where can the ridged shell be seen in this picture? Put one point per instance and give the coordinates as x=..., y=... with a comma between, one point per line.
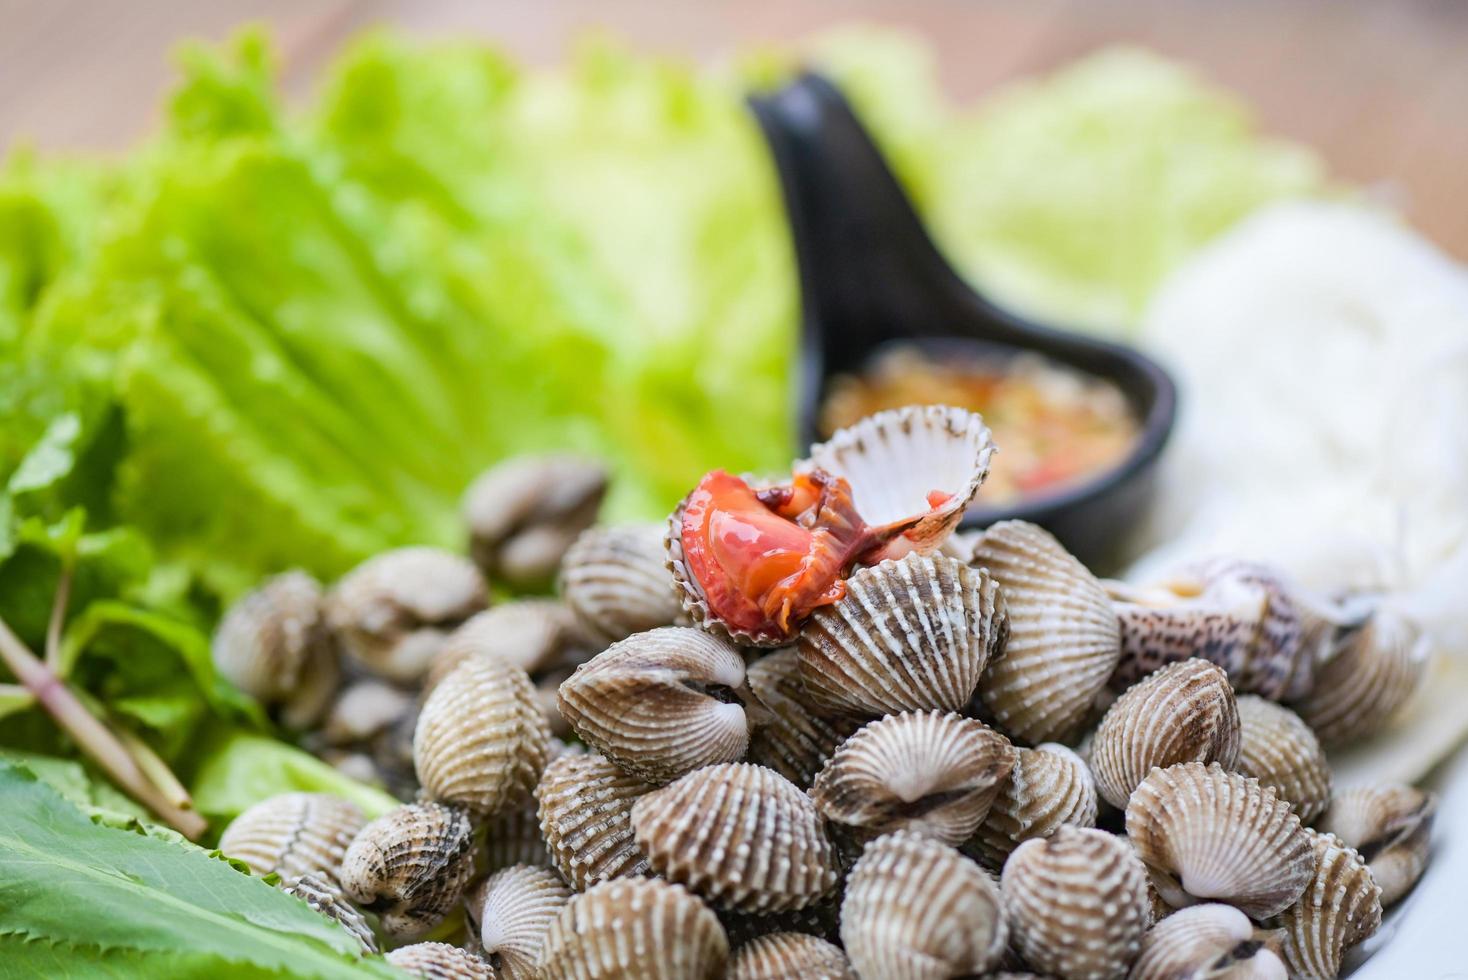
x=393, y=612
x=481, y=741
x=1063, y=636
x=1340, y=907
x=916, y=909
x=294, y=834
x=1210, y=835
x=1076, y=903
x=790, y=956
x=513, y=837
x=1185, y=712
x=1390, y=825
x=661, y=703
x=1375, y=671
x=364, y=710
x=525, y=512
x=1277, y=748
x=411, y=866
x=1207, y=942
x=928, y=772
x=1049, y=787
x=440, y=961
x=617, y=582
x=909, y=634
x=789, y=735
x=326, y=899
x=740, y=835
x=511, y=911
x=532, y=634
x=821, y=919
x=635, y=929
x=586, y=819
x=273, y=644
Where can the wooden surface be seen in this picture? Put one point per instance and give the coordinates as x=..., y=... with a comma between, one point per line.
x=1379, y=87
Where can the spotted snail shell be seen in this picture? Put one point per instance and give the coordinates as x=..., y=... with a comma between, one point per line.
x=925, y=771
x=326, y=899
x=908, y=635
x=1208, y=942
x=1373, y=674
x=511, y=912
x=1210, y=835
x=916, y=909
x=790, y=736
x=1063, y=636
x=411, y=866
x=293, y=834
x=616, y=581
x=532, y=634
x=1076, y=903
x=790, y=956
x=481, y=741
x=513, y=837
x=1390, y=825
x=1340, y=907
x=1280, y=750
x=393, y=612
x=440, y=961
x=586, y=819
x=635, y=929
x=661, y=703
x=1050, y=787
x=274, y=645
x=740, y=835
x=1185, y=712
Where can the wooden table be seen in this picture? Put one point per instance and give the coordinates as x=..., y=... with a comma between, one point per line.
x=1380, y=87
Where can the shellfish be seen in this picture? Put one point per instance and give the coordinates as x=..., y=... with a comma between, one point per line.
x=513, y=837
x=1376, y=669
x=1049, y=787
x=660, y=703
x=789, y=736
x=323, y=898
x=909, y=634
x=928, y=772
x=1339, y=908
x=294, y=834
x=790, y=956
x=440, y=961
x=916, y=909
x=532, y=634
x=1280, y=750
x=1206, y=834
x=410, y=866
x=740, y=835
x=511, y=912
x=635, y=929
x=1389, y=825
x=368, y=733
x=616, y=581
x=1063, y=636
x=1185, y=712
x=1208, y=942
x=586, y=819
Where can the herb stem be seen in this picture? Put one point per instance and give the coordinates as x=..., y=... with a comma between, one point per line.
x=58, y=618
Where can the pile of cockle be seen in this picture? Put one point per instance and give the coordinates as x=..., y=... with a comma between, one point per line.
x=824, y=736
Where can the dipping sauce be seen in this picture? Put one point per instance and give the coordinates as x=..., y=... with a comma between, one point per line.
x=1054, y=426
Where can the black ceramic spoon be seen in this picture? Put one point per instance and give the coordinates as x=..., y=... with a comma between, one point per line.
x=870, y=276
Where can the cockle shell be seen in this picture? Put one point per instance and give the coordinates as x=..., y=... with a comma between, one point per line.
x=1185, y=712
x=364, y=710
x=635, y=929
x=511, y=911
x=1373, y=674
x=1208, y=942
x=326, y=899
x=392, y=612
x=525, y=512
x=1049, y=787
x=821, y=919
x=740, y=835
x=1280, y=750
x=481, y=741
x=1389, y=825
x=916, y=909
x=532, y=634
x=440, y=961
x=909, y=634
x=586, y=819
x=617, y=582
x=790, y=956
x=294, y=834
x=789, y=736
x=660, y=703
x=411, y=866
x=368, y=733
x=513, y=837
x=1063, y=636
x=1076, y=903
x=1210, y=835
x=273, y=644
x=1340, y=907
x=925, y=771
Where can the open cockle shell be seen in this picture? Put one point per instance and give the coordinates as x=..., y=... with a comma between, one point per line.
x=1280, y=750
x=909, y=635
x=635, y=929
x=1076, y=903
x=411, y=866
x=1049, y=787
x=325, y=898
x=586, y=819
x=1063, y=637
x=1340, y=907
x=1208, y=942
x=928, y=772
x=1210, y=835
x=916, y=909
x=1374, y=673
x=510, y=912
x=740, y=835
x=617, y=582
x=1185, y=712
x=660, y=703
x=1390, y=826
x=293, y=835
x=440, y=961
x=790, y=736
x=790, y=956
